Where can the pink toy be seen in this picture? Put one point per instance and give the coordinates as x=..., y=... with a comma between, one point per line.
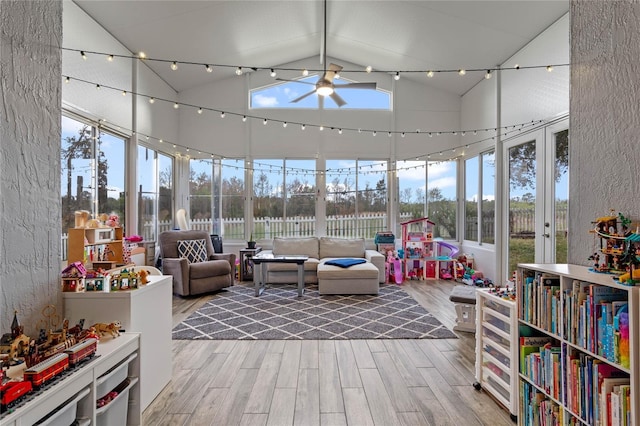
x=113, y=221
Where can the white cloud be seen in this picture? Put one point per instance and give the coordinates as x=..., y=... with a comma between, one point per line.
x=265, y=101
x=445, y=182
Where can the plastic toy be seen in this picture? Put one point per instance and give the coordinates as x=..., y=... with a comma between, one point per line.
x=112, y=328
x=617, y=246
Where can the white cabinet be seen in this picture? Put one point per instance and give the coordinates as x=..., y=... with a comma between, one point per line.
x=578, y=347
x=496, y=348
x=76, y=394
x=146, y=310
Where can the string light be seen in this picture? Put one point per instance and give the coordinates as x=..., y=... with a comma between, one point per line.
x=66, y=80
x=176, y=105
x=321, y=128
x=264, y=122
x=549, y=68
x=284, y=124
x=488, y=75
x=303, y=126
x=174, y=65
x=110, y=58
x=199, y=110
x=273, y=73
x=516, y=66
x=397, y=76
x=82, y=55
x=124, y=93
x=97, y=87
x=244, y=118
x=340, y=131
x=305, y=72
x=209, y=68
x=462, y=71
x=429, y=73
x=152, y=100
x=368, y=69
x=142, y=55
x=239, y=71
x=222, y=114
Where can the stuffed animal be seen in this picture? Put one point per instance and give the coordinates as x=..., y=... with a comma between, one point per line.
x=144, y=276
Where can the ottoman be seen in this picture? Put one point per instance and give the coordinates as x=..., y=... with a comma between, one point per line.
x=464, y=299
x=356, y=279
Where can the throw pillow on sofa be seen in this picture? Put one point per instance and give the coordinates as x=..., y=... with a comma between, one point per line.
x=193, y=250
x=300, y=246
x=341, y=247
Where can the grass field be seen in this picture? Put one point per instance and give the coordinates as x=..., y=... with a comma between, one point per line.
x=522, y=250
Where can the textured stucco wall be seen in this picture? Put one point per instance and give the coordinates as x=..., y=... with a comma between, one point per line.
x=604, y=151
x=30, y=63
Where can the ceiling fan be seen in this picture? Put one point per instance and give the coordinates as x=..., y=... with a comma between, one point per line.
x=325, y=85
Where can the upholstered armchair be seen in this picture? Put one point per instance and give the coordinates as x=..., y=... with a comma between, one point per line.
x=190, y=258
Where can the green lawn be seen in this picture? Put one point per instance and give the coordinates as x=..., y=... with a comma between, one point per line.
x=522, y=250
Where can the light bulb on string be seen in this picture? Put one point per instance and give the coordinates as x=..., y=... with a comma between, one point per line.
x=110, y=58
x=462, y=71
x=176, y=105
x=244, y=118
x=305, y=72
x=303, y=126
x=264, y=122
x=273, y=73
x=284, y=124
x=67, y=79
x=397, y=76
x=549, y=68
x=199, y=110
x=488, y=75
x=239, y=71
x=368, y=69
x=222, y=114
x=174, y=65
x=83, y=55
x=152, y=100
x=429, y=73
x=209, y=68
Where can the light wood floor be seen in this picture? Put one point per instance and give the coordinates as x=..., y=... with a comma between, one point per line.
x=326, y=382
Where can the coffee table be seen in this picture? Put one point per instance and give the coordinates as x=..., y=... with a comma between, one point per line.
x=259, y=280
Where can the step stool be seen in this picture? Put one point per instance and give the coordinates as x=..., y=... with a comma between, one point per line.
x=464, y=298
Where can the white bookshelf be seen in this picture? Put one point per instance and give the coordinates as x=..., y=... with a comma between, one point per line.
x=562, y=380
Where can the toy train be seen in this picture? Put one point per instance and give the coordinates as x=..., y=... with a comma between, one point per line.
x=42, y=373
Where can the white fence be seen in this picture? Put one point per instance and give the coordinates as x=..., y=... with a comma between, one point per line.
x=348, y=226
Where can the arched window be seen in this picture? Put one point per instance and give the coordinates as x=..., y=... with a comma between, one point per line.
x=281, y=95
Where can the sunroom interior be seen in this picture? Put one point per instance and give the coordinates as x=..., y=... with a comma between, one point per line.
x=182, y=129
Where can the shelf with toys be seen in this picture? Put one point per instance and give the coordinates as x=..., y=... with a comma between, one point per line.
x=58, y=380
x=147, y=310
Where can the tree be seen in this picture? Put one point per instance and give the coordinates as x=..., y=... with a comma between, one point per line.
x=522, y=160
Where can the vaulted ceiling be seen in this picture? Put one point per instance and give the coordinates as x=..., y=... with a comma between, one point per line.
x=387, y=35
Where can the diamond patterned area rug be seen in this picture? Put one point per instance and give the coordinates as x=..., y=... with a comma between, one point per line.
x=278, y=314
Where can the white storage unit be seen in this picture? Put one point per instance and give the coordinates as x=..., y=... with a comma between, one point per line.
x=497, y=348
x=74, y=396
x=146, y=310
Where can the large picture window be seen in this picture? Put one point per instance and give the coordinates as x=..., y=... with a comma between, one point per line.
x=93, y=172
x=284, y=201
x=356, y=198
x=155, y=193
x=441, y=198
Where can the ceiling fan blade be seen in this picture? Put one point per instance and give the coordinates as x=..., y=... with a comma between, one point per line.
x=302, y=97
x=371, y=86
x=295, y=81
x=337, y=99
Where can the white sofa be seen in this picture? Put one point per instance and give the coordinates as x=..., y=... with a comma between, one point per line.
x=363, y=278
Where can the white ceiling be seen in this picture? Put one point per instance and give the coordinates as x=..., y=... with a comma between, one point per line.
x=388, y=35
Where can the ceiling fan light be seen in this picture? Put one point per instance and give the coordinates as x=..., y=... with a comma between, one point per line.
x=325, y=90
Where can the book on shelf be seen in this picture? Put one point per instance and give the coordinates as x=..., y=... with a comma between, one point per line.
x=606, y=390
